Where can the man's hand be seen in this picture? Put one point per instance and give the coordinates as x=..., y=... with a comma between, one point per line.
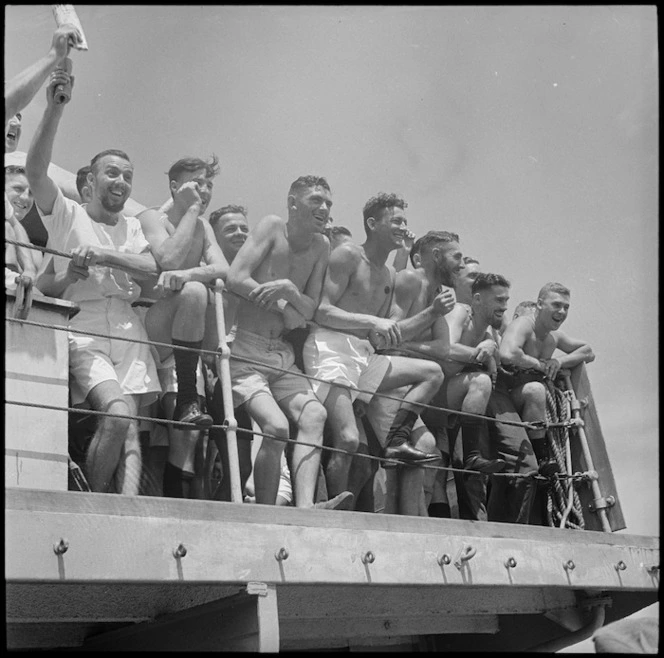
x=386, y=329
x=550, y=367
x=57, y=78
x=172, y=280
x=64, y=38
x=485, y=350
x=293, y=319
x=408, y=240
x=269, y=292
x=77, y=272
x=187, y=195
x=444, y=302
x=87, y=256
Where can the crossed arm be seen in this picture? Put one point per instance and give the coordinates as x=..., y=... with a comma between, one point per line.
x=281, y=295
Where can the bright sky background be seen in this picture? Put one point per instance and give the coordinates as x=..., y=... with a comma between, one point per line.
x=530, y=131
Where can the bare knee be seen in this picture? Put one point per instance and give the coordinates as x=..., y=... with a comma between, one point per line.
x=534, y=393
x=481, y=385
x=194, y=293
x=313, y=417
x=432, y=374
x=115, y=425
x=347, y=438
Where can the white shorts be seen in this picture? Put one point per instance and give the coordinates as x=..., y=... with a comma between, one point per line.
x=94, y=360
x=339, y=357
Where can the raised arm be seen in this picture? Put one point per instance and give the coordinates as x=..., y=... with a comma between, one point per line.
x=171, y=251
x=21, y=89
x=42, y=186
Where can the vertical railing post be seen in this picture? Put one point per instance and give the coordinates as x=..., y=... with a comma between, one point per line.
x=583, y=440
x=223, y=370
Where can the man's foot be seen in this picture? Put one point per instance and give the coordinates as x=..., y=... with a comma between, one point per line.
x=190, y=412
x=344, y=501
x=485, y=465
x=406, y=453
x=548, y=467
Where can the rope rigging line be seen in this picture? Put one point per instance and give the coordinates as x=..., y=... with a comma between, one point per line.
x=93, y=412
x=561, y=512
x=44, y=325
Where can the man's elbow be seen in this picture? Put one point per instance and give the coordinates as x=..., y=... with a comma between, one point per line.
x=588, y=354
x=506, y=356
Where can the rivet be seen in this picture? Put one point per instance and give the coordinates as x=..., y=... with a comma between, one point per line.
x=180, y=551
x=368, y=557
x=281, y=554
x=510, y=563
x=444, y=559
x=61, y=547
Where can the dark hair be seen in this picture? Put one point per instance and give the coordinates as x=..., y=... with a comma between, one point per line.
x=485, y=280
x=11, y=170
x=191, y=164
x=381, y=201
x=216, y=215
x=99, y=156
x=82, y=178
x=339, y=230
x=469, y=259
x=432, y=238
x=552, y=286
x=305, y=182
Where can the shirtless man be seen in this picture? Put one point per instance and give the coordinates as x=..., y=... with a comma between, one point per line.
x=463, y=283
x=353, y=320
x=279, y=273
x=231, y=229
x=109, y=254
x=439, y=259
x=180, y=241
x=527, y=346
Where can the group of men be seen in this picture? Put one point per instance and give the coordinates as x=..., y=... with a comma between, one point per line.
x=388, y=354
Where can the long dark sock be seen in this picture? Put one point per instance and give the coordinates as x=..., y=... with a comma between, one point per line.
x=176, y=481
x=471, y=436
x=401, y=427
x=185, y=369
x=440, y=510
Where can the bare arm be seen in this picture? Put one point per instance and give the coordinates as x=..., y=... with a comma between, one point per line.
x=344, y=261
x=43, y=188
x=24, y=258
x=21, y=89
x=171, y=251
x=437, y=349
x=576, y=351
x=511, y=346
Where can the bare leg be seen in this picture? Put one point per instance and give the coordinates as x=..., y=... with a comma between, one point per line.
x=345, y=435
x=113, y=437
x=411, y=478
x=265, y=411
x=309, y=415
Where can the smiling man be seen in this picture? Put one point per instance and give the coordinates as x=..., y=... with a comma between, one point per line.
x=354, y=319
x=279, y=274
x=108, y=254
x=526, y=354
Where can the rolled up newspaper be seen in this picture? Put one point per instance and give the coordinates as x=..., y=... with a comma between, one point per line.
x=66, y=15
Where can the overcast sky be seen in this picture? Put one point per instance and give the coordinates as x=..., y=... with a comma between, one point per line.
x=530, y=131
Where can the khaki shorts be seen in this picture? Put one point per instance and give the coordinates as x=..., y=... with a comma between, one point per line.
x=339, y=357
x=251, y=379
x=94, y=360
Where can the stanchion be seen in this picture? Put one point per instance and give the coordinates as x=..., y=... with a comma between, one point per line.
x=223, y=357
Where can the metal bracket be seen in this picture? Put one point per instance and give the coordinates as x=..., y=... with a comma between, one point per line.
x=595, y=601
x=602, y=503
x=23, y=300
x=257, y=589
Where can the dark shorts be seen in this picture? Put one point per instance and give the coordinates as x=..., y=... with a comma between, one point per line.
x=511, y=379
